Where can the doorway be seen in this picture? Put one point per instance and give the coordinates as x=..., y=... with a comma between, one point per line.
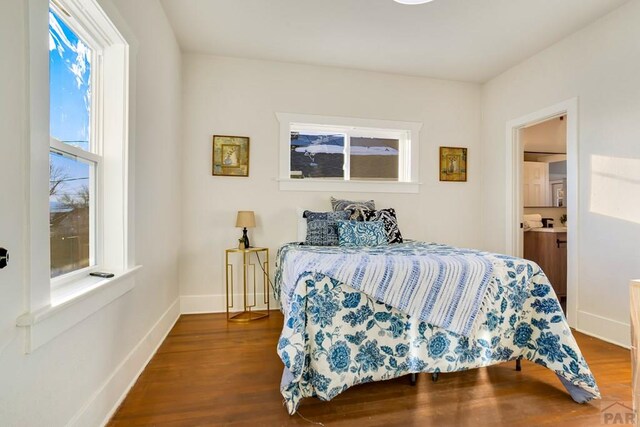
x=564, y=191
x=544, y=185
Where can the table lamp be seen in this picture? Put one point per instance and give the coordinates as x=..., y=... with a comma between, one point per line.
x=245, y=219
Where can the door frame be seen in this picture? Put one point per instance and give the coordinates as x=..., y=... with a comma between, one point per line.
x=513, y=179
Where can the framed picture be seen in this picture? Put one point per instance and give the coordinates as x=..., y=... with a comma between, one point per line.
x=453, y=164
x=230, y=155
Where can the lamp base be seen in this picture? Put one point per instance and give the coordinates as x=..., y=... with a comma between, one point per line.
x=245, y=237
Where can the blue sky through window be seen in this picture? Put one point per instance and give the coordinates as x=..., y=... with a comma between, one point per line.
x=70, y=111
x=70, y=84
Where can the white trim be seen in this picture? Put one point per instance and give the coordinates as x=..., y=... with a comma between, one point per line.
x=513, y=177
x=73, y=151
x=605, y=329
x=37, y=254
x=73, y=276
x=72, y=292
x=346, y=170
x=115, y=139
x=102, y=404
x=409, y=155
x=100, y=33
x=216, y=303
x=349, y=186
x=73, y=306
x=197, y=304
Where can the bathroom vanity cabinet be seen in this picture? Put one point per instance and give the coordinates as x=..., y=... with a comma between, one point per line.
x=547, y=247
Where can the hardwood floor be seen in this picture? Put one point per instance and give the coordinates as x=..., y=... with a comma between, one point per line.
x=210, y=372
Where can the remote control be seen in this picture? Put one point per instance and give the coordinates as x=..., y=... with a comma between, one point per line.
x=104, y=275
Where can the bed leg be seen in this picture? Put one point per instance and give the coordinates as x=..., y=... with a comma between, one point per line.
x=518, y=364
x=434, y=376
x=414, y=378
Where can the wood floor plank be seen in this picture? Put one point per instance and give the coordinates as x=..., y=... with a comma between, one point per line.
x=209, y=372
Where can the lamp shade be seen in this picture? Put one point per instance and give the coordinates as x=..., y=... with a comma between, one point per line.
x=245, y=219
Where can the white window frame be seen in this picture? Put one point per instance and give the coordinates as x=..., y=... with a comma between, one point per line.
x=407, y=133
x=55, y=305
x=97, y=44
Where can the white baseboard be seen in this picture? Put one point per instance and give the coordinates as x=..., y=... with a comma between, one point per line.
x=105, y=401
x=216, y=303
x=608, y=330
x=194, y=304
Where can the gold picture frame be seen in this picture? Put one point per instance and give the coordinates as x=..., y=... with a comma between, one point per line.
x=453, y=164
x=230, y=155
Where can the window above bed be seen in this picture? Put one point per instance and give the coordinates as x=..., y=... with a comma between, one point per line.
x=321, y=153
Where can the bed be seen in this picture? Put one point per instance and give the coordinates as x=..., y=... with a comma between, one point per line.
x=356, y=315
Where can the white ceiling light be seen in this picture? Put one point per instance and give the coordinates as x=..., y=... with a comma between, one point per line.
x=412, y=1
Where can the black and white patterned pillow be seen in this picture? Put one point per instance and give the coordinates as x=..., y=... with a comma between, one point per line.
x=388, y=216
x=357, y=207
x=322, y=227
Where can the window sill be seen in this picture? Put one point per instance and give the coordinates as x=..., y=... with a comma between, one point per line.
x=72, y=303
x=350, y=186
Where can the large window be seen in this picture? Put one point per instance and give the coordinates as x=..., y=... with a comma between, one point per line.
x=84, y=68
x=339, y=153
x=88, y=117
x=74, y=161
x=348, y=153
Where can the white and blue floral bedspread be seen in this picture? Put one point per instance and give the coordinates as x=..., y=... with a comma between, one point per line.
x=335, y=336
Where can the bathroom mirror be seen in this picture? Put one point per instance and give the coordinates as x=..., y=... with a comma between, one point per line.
x=545, y=180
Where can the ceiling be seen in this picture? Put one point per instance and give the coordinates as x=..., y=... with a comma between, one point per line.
x=468, y=40
x=549, y=136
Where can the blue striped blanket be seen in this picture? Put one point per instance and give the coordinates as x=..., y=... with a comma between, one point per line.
x=439, y=284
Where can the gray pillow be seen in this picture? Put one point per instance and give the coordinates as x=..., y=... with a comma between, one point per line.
x=322, y=227
x=356, y=207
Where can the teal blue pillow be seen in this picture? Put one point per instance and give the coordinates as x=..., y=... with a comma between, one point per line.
x=360, y=233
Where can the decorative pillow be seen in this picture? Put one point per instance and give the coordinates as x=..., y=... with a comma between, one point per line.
x=359, y=233
x=322, y=229
x=356, y=206
x=388, y=216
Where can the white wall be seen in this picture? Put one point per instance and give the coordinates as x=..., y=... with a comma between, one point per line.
x=240, y=97
x=79, y=376
x=600, y=65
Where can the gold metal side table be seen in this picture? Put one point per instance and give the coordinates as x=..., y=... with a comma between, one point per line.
x=248, y=270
